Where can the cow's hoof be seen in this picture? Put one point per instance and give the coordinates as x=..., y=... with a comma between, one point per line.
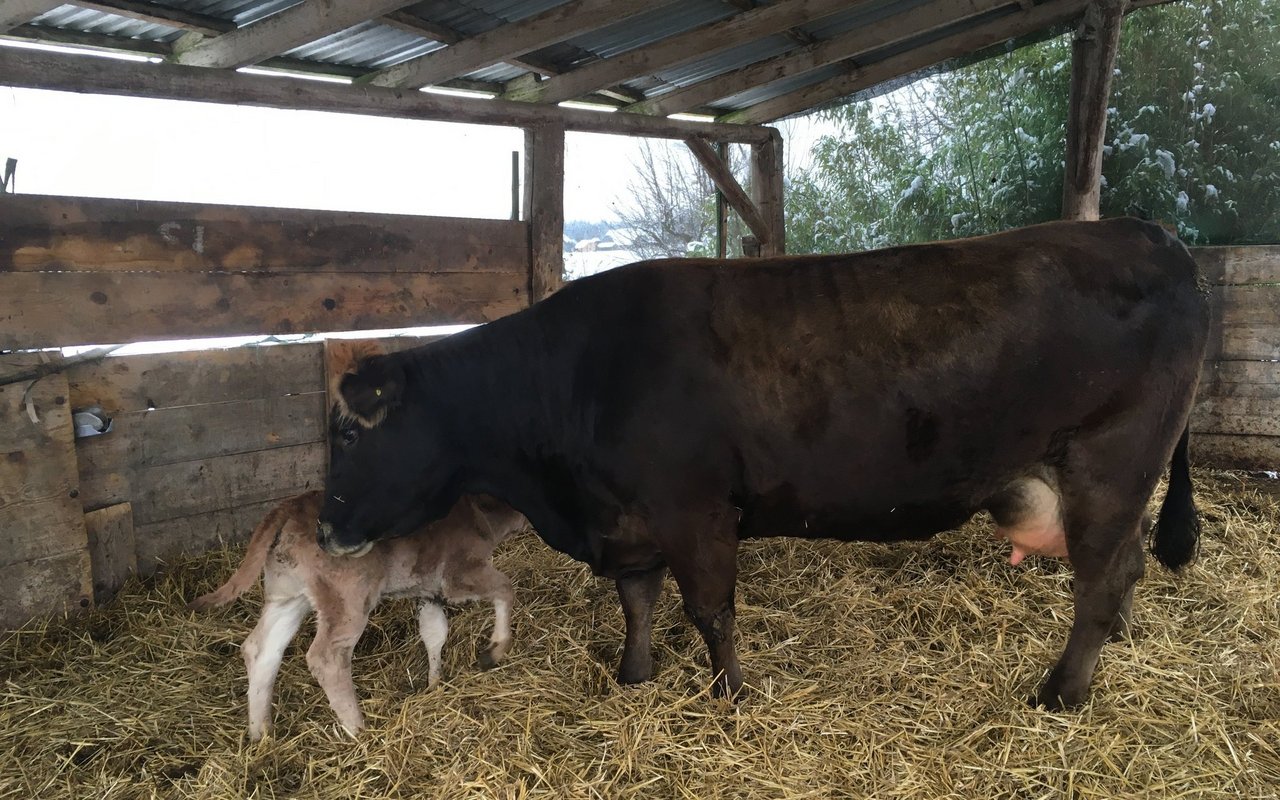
x=628, y=675
x=485, y=658
x=1052, y=699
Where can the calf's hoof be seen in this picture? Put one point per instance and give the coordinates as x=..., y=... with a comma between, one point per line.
x=1052, y=698
x=728, y=687
x=629, y=674
x=486, y=659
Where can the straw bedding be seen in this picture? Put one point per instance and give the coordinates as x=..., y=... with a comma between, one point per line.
x=886, y=671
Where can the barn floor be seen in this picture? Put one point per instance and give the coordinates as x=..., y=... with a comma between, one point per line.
x=875, y=671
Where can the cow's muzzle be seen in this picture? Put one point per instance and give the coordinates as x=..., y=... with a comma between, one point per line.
x=330, y=544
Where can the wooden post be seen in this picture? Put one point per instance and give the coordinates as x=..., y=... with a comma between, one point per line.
x=1093, y=55
x=722, y=209
x=544, y=207
x=766, y=190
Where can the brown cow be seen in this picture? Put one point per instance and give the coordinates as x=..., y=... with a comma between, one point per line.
x=446, y=561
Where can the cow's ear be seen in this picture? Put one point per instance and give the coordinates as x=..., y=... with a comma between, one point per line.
x=374, y=388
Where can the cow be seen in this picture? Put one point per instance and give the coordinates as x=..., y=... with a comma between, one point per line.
x=447, y=561
x=649, y=418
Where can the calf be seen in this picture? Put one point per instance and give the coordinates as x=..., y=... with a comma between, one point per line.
x=446, y=561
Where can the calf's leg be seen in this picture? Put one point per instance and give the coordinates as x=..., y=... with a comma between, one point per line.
x=638, y=594
x=433, y=626
x=338, y=628
x=263, y=650
x=479, y=580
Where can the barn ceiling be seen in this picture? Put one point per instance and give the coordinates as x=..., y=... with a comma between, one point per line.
x=734, y=60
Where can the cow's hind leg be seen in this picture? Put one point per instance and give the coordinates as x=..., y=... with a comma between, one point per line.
x=1108, y=560
x=263, y=650
x=638, y=594
x=702, y=552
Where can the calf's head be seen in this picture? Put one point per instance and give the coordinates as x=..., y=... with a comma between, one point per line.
x=390, y=469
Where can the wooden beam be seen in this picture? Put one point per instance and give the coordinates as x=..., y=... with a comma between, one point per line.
x=19, y=12
x=73, y=73
x=862, y=77
x=278, y=33
x=900, y=27
x=682, y=48
x=411, y=23
x=195, y=22
x=767, y=188
x=728, y=185
x=1093, y=56
x=515, y=39
x=112, y=552
x=544, y=208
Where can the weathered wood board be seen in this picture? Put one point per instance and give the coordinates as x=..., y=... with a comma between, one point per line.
x=44, y=554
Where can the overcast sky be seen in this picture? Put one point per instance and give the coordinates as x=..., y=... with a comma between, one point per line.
x=99, y=146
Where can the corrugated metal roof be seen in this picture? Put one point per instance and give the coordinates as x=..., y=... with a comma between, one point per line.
x=373, y=45
x=87, y=20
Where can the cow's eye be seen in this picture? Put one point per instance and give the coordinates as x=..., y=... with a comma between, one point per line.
x=349, y=436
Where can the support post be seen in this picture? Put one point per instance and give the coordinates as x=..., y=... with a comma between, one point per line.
x=766, y=190
x=544, y=207
x=722, y=209
x=1093, y=55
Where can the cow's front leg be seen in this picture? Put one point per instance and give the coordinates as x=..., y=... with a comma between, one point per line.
x=638, y=593
x=702, y=553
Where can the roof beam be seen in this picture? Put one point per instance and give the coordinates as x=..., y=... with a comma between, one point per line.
x=891, y=30
x=411, y=23
x=18, y=12
x=681, y=48
x=278, y=33
x=862, y=77
x=74, y=73
x=160, y=15
x=509, y=41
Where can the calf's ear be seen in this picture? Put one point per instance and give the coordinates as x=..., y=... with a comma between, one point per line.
x=374, y=388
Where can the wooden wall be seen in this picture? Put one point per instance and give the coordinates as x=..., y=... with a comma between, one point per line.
x=1236, y=423
x=79, y=271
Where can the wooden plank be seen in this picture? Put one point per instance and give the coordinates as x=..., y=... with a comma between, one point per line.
x=61, y=233
x=44, y=586
x=508, y=41
x=681, y=48
x=544, y=208
x=1247, y=379
x=112, y=550
x=44, y=560
x=18, y=12
x=213, y=484
x=1093, y=57
x=161, y=15
x=39, y=513
x=1241, y=265
x=1224, y=451
x=728, y=185
x=162, y=542
x=892, y=30
x=933, y=51
x=1245, y=323
x=123, y=384
x=293, y=27
x=105, y=469
x=169, y=436
x=73, y=308
x=1242, y=416
x=72, y=73
x=766, y=189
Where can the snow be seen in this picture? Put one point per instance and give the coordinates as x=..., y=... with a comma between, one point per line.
x=1165, y=159
x=1183, y=202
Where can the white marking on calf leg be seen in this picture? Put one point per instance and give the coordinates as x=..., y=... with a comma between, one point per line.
x=433, y=626
x=262, y=653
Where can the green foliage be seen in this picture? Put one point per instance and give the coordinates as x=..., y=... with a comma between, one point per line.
x=1192, y=140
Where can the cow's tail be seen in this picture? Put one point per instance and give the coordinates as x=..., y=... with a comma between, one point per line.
x=247, y=573
x=1177, y=532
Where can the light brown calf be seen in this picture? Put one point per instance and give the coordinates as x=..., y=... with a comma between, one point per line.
x=446, y=561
